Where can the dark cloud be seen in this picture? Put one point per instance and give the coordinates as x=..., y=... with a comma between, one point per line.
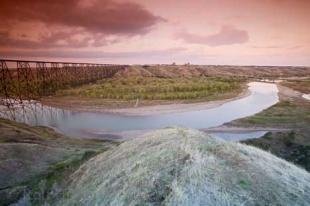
x=94, y=18
x=57, y=39
x=104, y=16
x=44, y=42
x=226, y=36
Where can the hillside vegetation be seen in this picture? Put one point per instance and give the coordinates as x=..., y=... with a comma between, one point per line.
x=177, y=166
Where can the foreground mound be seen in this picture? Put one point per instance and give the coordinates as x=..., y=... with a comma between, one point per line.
x=178, y=166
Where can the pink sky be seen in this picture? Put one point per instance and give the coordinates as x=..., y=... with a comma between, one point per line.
x=237, y=32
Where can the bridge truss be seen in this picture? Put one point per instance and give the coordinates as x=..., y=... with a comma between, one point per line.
x=30, y=80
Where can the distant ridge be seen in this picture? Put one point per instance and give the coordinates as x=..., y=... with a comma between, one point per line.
x=174, y=71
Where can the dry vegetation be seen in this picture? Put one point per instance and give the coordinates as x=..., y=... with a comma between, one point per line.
x=176, y=166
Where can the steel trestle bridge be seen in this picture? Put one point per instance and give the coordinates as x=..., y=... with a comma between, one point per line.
x=30, y=80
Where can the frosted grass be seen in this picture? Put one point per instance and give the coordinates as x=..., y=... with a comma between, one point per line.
x=177, y=166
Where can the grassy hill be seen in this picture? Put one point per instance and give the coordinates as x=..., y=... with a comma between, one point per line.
x=177, y=166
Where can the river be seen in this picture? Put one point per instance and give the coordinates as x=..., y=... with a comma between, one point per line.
x=262, y=96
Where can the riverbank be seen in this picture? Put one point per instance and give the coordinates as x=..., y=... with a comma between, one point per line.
x=138, y=95
x=289, y=120
x=285, y=94
x=150, y=108
x=139, y=92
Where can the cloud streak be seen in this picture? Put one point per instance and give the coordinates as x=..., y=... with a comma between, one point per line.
x=227, y=35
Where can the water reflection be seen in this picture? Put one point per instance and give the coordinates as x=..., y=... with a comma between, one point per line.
x=34, y=113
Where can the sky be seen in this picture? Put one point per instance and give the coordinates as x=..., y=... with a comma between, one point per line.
x=216, y=32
